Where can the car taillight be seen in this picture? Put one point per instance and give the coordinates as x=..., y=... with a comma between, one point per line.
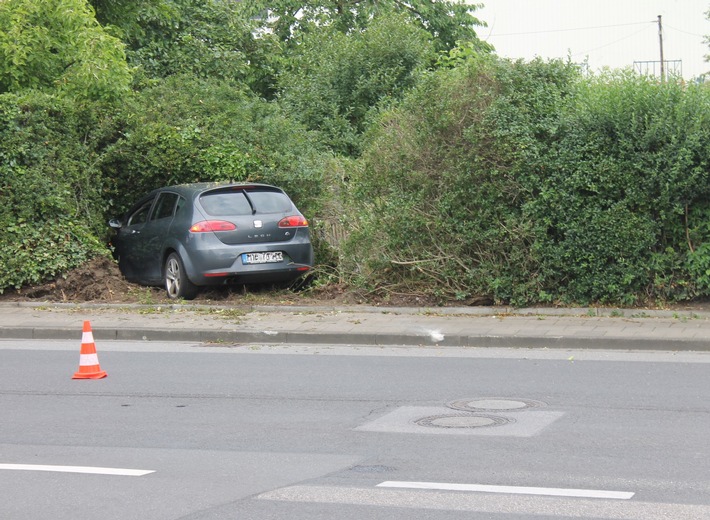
x=295, y=221
x=212, y=225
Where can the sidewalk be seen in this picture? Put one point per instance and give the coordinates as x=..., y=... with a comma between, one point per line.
x=360, y=325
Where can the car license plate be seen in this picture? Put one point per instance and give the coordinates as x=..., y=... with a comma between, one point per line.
x=263, y=258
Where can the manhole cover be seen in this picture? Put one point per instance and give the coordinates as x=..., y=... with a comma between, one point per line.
x=494, y=405
x=462, y=421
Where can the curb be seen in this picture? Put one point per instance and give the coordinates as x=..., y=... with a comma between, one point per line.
x=371, y=340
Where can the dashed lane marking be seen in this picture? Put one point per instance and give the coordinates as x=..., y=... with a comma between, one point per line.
x=515, y=490
x=526, y=506
x=78, y=469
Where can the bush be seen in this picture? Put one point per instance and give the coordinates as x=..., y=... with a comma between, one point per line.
x=528, y=183
x=187, y=130
x=335, y=80
x=50, y=188
x=632, y=157
x=440, y=189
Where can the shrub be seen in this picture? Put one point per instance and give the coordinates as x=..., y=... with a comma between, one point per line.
x=184, y=129
x=50, y=188
x=632, y=157
x=335, y=80
x=527, y=183
x=440, y=191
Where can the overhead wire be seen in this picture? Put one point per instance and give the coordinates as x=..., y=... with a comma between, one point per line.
x=611, y=43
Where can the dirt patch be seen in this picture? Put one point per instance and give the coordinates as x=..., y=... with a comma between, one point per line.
x=98, y=280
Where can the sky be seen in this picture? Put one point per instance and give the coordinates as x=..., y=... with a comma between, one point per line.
x=604, y=33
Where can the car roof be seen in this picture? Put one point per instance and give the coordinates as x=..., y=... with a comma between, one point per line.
x=200, y=187
x=193, y=190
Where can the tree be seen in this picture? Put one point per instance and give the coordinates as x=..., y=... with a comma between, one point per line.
x=59, y=45
x=204, y=38
x=334, y=80
x=135, y=20
x=448, y=21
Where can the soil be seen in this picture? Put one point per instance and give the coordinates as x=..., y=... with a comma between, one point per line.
x=100, y=281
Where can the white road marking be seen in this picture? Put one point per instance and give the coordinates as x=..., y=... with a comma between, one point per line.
x=516, y=490
x=526, y=506
x=78, y=469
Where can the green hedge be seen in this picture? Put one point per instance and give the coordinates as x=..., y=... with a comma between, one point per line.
x=626, y=192
x=528, y=183
x=50, y=188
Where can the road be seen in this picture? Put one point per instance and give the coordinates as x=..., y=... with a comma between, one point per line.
x=304, y=433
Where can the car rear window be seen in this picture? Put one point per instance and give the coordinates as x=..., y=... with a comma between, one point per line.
x=224, y=203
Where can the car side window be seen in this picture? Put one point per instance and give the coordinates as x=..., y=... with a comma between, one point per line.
x=140, y=216
x=180, y=205
x=165, y=206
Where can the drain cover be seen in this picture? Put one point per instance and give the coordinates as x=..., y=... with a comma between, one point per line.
x=494, y=405
x=460, y=420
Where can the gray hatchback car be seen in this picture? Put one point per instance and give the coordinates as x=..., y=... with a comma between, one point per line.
x=194, y=235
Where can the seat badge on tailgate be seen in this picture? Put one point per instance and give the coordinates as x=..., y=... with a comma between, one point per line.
x=258, y=223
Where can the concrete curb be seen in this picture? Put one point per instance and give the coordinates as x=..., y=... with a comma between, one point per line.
x=370, y=339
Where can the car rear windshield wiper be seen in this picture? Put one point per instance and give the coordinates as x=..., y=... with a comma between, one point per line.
x=251, y=202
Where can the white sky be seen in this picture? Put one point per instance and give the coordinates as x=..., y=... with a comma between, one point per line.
x=607, y=33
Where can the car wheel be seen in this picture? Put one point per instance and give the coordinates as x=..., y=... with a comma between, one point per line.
x=176, y=281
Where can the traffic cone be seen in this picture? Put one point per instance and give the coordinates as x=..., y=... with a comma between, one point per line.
x=88, y=360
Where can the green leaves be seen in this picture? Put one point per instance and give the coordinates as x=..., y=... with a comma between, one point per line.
x=446, y=21
x=50, y=189
x=57, y=45
x=185, y=130
x=335, y=81
x=526, y=182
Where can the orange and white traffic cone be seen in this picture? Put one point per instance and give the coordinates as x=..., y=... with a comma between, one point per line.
x=88, y=360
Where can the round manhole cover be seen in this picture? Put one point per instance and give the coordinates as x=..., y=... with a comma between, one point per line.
x=494, y=405
x=462, y=421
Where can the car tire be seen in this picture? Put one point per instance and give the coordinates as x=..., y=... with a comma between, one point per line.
x=177, y=284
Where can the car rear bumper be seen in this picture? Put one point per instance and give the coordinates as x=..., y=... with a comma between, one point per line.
x=216, y=266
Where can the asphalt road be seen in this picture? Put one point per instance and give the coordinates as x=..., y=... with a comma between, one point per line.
x=242, y=432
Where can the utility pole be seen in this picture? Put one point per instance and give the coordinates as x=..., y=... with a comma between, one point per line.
x=660, y=40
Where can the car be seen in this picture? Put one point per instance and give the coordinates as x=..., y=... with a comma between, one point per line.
x=189, y=236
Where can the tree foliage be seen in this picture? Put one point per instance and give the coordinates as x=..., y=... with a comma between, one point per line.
x=57, y=45
x=204, y=38
x=335, y=80
x=136, y=22
x=448, y=21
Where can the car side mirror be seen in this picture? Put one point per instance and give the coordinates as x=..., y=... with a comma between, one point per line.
x=115, y=223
